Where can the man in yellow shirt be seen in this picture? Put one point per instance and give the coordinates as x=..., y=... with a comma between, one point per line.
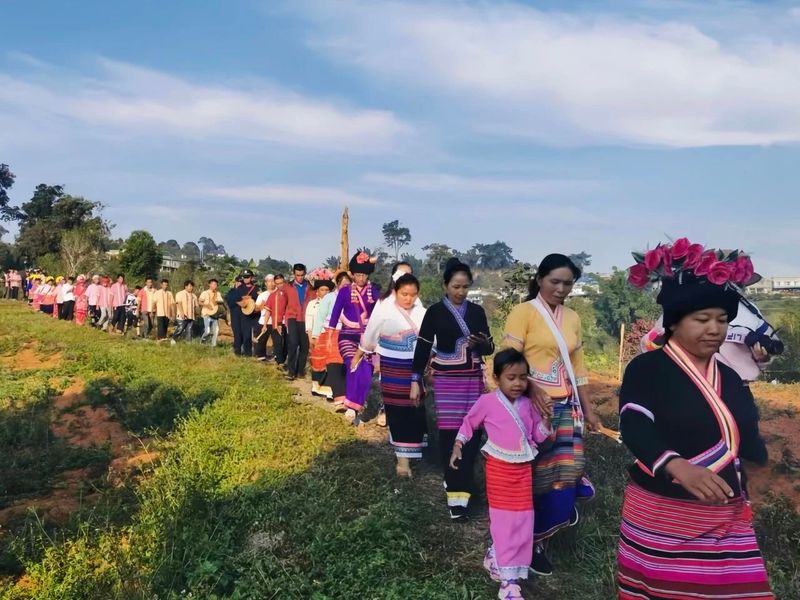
x=186, y=306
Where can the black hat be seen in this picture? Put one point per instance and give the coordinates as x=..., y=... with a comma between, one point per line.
x=246, y=273
x=362, y=263
x=683, y=295
x=238, y=278
x=321, y=283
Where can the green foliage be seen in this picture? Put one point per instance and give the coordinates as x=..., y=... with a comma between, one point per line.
x=6, y=182
x=618, y=302
x=497, y=255
x=140, y=256
x=786, y=367
x=273, y=265
x=778, y=528
x=396, y=236
x=430, y=290
x=48, y=214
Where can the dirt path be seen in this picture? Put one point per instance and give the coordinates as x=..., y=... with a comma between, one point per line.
x=82, y=426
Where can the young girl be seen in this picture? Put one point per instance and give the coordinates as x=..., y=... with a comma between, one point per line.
x=513, y=428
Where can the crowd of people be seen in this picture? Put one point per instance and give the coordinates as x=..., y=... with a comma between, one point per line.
x=687, y=417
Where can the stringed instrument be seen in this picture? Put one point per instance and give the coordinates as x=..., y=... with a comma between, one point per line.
x=248, y=305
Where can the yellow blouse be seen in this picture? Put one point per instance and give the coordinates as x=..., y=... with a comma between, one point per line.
x=527, y=332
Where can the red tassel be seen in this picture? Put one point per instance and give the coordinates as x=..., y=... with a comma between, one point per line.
x=747, y=511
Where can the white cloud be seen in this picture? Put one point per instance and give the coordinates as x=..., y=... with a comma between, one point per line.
x=573, y=79
x=442, y=182
x=132, y=100
x=289, y=194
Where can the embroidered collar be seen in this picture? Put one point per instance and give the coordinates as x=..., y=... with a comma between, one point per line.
x=459, y=313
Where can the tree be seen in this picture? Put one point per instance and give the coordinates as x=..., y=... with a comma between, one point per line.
x=438, y=254
x=48, y=214
x=274, y=266
x=332, y=262
x=190, y=251
x=7, y=178
x=617, y=302
x=79, y=252
x=396, y=236
x=3, y=231
x=140, y=256
x=581, y=260
x=170, y=248
x=494, y=256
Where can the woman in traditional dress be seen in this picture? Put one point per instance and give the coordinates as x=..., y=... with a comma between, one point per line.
x=81, y=300
x=325, y=345
x=354, y=305
x=399, y=269
x=392, y=333
x=460, y=332
x=322, y=289
x=549, y=334
x=686, y=528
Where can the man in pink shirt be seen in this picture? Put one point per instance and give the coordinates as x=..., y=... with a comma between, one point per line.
x=93, y=297
x=119, y=293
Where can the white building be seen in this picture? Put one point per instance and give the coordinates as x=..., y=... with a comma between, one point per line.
x=786, y=284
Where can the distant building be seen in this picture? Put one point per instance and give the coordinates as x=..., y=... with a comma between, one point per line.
x=786, y=284
x=583, y=288
x=478, y=295
x=775, y=285
x=170, y=264
x=762, y=287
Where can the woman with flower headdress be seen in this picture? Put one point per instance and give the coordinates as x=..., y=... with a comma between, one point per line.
x=354, y=305
x=751, y=342
x=687, y=528
x=81, y=300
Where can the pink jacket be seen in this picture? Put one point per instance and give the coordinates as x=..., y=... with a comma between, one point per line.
x=513, y=428
x=119, y=293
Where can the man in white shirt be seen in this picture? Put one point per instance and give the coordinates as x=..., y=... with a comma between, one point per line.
x=265, y=320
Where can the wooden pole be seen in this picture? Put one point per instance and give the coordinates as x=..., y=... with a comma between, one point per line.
x=345, y=250
x=621, y=350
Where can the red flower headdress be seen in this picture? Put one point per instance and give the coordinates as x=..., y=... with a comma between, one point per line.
x=670, y=260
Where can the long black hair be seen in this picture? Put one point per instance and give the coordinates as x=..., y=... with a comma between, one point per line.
x=390, y=287
x=550, y=263
x=406, y=279
x=454, y=266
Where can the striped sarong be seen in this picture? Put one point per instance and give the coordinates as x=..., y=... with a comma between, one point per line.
x=407, y=423
x=559, y=475
x=357, y=384
x=508, y=490
x=454, y=395
x=685, y=550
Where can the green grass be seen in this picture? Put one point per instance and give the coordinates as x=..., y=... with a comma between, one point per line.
x=259, y=496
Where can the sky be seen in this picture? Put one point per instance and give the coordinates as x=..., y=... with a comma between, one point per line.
x=553, y=126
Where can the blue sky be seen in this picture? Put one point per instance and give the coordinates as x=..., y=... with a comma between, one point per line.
x=605, y=128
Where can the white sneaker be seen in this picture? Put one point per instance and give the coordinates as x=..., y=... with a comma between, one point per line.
x=350, y=415
x=382, y=418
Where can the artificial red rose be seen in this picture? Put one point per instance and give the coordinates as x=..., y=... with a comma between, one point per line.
x=680, y=248
x=706, y=261
x=693, y=255
x=742, y=270
x=362, y=258
x=652, y=258
x=638, y=275
x=720, y=273
x=667, y=263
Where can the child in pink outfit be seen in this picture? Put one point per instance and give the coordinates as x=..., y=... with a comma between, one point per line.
x=513, y=427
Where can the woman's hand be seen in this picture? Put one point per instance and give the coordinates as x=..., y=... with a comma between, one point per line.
x=592, y=421
x=541, y=399
x=356, y=361
x=703, y=484
x=455, y=455
x=759, y=354
x=415, y=393
x=376, y=364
